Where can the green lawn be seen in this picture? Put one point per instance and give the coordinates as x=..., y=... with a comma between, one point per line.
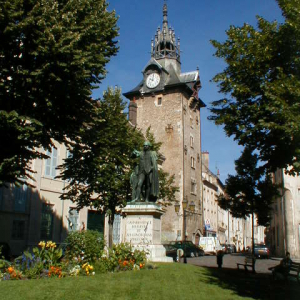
x=168, y=281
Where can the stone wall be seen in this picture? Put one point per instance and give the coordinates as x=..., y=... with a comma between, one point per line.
x=175, y=125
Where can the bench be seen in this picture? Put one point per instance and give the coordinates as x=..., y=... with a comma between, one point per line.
x=294, y=271
x=249, y=262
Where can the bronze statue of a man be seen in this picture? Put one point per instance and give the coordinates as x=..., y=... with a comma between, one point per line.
x=147, y=176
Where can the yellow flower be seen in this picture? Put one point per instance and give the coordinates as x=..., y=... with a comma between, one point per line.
x=84, y=265
x=42, y=244
x=48, y=245
x=91, y=267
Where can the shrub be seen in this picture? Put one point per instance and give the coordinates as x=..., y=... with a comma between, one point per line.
x=12, y=273
x=122, y=258
x=25, y=261
x=4, y=264
x=45, y=256
x=47, y=253
x=88, y=269
x=55, y=272
x=84, y=246
x=29, y=264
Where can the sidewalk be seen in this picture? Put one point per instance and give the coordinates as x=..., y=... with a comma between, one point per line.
x=230, y=262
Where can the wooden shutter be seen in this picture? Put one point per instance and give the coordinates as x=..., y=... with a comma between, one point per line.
x=95, y=221
x=48, y=164
x=73, y=220
x=53, y=162
x=46, y=222
x=20, y=200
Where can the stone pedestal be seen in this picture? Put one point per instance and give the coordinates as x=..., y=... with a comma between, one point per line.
x=142, y=229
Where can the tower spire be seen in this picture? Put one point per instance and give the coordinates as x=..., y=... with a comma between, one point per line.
x=165, y=15
x=164, y=45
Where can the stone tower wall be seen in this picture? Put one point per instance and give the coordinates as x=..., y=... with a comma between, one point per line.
x=173, y=123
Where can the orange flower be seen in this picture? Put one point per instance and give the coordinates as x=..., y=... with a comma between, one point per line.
x=10, y=270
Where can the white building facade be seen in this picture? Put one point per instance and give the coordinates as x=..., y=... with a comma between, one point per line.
x=220, y=223
x=284, y=231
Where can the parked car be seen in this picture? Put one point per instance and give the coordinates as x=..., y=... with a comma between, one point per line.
x=230, y=248
x=209, y=244
x=190, y=248
x=261, y=251
x=225, y=248
x=171, y=251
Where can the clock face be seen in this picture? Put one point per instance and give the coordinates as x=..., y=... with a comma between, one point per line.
x=152, y=80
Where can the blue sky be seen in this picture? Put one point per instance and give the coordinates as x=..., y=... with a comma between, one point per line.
x=196, y=22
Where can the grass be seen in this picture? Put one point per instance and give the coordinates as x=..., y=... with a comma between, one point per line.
x=168, y=281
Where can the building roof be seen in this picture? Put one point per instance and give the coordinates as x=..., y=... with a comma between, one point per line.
x=189, y=76
x=165, y=60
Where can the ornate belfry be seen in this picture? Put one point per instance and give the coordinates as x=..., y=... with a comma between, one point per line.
x=164, y=44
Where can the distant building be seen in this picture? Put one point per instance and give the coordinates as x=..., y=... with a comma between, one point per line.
x=31, y=214
x=284, y=231
x=215, y=218
x=220, y=223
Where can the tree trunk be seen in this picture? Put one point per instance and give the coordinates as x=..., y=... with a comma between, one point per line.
x=253, y=262
x=110, y=230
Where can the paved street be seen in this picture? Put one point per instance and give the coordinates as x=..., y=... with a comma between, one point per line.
x=230, y=261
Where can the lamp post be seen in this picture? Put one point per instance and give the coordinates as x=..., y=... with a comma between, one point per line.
x=185, y=213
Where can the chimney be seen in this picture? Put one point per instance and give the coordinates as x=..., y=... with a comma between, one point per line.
x=205, y=158
x=132, y=112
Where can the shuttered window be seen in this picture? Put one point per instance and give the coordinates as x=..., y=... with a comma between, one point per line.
x=95, y=221
x=51, y=163
x=73, y=220
x=18, y=230
x=20, y=194
x=46, y=222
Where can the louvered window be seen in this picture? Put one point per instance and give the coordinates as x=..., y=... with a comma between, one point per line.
x=51, y=163
x=20, y=194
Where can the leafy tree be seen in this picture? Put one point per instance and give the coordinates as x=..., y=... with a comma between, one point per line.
x=249, y=192
x=52, y=54
x=99, y=167
x=262, y=87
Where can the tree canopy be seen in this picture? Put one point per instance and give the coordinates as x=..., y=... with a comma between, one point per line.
x=100, y=163
x=261, y=83
x=52, y=54
x=249, y=192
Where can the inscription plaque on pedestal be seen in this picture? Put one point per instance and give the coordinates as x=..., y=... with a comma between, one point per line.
x=139, y=230
x=142, y=229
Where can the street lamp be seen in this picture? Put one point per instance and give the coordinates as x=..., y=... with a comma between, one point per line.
x=191, y=210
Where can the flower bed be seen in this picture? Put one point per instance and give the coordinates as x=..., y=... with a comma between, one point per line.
x=84, y=255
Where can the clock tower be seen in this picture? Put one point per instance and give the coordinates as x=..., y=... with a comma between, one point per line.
x=167, y=100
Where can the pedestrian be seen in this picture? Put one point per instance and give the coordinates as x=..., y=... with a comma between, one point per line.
x=82, y=227
x=220, y=255
x=284, y=267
